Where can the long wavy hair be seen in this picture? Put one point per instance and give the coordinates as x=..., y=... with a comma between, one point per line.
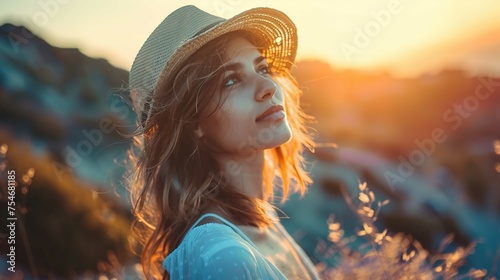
x=174, y=176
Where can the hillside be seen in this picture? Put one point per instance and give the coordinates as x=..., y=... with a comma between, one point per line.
x=426, y=144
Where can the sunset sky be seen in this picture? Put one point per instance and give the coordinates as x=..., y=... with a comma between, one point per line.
x=407, y=37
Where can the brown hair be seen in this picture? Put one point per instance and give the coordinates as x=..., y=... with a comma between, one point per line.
x=167, y=194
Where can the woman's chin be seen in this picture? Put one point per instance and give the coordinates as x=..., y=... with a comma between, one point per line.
x=280, y=135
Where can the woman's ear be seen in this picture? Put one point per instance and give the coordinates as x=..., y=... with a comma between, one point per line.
x=199, y=132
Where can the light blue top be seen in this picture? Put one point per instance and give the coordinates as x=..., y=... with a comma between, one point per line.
x=221, y=251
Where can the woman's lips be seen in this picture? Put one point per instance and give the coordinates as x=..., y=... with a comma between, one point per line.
x=273, y=113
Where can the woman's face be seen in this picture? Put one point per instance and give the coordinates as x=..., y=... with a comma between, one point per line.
x=250, y=118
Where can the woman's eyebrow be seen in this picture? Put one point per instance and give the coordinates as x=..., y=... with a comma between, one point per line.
x=258, y=59
x=239, y=65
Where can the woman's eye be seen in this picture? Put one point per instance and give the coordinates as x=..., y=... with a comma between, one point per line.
x=265, y=70
x=231, y=80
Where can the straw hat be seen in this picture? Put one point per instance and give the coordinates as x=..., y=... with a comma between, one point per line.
x=186, y=30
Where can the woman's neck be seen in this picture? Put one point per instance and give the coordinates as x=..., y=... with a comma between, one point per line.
x=244, y=172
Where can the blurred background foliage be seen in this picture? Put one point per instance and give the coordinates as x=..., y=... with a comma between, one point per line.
x=63, y=114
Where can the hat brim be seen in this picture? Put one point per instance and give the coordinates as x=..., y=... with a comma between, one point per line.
x=273, y=30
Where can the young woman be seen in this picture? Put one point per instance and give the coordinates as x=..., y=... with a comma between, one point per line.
x=219, y=129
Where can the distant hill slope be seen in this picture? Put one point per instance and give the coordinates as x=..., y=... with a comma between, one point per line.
x=66, y=103
x=58, y=114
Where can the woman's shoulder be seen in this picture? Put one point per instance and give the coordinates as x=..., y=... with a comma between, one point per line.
x=208, y=239
x=208, y=234
x=212, y=248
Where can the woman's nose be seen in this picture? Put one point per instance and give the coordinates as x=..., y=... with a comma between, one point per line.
x=266, y=88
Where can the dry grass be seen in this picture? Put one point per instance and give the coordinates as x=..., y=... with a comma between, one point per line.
x=64, y=228
x=388, y=257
